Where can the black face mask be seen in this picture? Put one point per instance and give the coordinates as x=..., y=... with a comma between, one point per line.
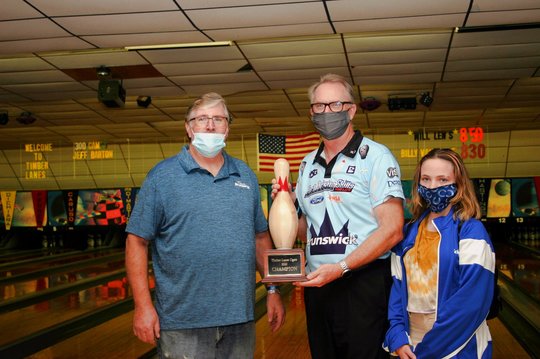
x=331, y=125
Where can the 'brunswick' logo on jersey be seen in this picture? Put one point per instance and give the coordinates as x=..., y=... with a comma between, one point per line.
x=329, y=242
x=335, y=185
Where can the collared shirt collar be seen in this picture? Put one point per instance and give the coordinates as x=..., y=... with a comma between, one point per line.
x=350, y=150
x=189, y=164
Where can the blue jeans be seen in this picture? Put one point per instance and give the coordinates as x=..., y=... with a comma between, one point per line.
x=231, y=341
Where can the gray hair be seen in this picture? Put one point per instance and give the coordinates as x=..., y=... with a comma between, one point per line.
x=331, y=78
x=207, y=100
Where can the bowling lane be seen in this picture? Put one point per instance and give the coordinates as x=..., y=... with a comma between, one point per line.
x=519, y=280
x=115, y=339
x=111, y=339
x=28, y=265
x=49, y=278
x=521, y=265
x=291, y=340
x=30, y=319
x=35, y=269
x=14, y=255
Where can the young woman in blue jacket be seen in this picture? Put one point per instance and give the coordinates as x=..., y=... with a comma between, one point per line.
x=442, y=280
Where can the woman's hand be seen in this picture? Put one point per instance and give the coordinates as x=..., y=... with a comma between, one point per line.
x=405, y=352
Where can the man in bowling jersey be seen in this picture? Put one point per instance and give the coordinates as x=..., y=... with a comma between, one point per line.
x=350, y=196
x=201, y=216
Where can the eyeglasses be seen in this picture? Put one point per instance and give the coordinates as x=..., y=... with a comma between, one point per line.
x=336, y=106
x=219, y=121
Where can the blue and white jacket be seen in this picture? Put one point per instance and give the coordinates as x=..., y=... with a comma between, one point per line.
x=464, y=292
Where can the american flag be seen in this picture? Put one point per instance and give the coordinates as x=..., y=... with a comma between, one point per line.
x=293, y=148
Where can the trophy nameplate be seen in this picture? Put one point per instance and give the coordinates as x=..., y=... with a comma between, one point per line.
x=284, y=265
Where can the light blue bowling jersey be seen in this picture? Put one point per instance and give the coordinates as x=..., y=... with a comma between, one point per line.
x=338, y=198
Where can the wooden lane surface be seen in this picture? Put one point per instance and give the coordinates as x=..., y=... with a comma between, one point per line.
x=112, y=340
x=115, y=339
x=291, y=340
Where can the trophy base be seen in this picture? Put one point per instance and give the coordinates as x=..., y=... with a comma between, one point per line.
x=284, y=265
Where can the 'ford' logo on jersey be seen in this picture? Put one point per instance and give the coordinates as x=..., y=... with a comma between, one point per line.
x=313, y=173
x=316, y=200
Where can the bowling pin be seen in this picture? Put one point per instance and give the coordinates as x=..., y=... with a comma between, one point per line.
x=282, y=219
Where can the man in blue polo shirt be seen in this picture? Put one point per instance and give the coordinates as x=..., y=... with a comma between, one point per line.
x=201, y=216
x=350, y=194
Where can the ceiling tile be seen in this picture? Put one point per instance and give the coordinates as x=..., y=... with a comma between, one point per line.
x=376, y=9
x=94, y=7
x=488, y=74
x=274, y=31
x=85, y=59
x=30, y=29
x=126, y=23
x=300, y=62
x=26, y=63
x=16, y=9
x=407, y=23
x=283, y=48
x=203, y=54
x=255, y=16
x=200, y=68
x=486, y=38
x=225, y=89
x=205, y=4
x=40, y=45
x=397, y=57
x=437, y=39
x=503, y=17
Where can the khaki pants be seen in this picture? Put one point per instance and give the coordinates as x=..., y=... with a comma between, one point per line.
x=420, y=324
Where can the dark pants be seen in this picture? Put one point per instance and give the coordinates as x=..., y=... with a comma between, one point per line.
x=348, y=317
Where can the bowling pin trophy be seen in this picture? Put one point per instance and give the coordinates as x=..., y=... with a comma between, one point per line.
x=283, y=264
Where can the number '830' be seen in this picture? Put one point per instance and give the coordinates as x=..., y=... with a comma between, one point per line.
x=473, y=151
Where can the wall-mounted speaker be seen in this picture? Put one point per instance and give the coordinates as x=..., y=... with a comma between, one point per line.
x=370, y=104
x=4, y=118
x=426, y=99
x=111, y=93
x=144, y=101
x=399, y=103
x=26, y=118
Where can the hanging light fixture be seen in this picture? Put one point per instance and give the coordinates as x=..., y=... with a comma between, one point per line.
x=426, y=99
x=103, y=71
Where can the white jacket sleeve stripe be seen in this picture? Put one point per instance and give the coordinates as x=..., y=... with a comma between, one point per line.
x=474, y=251
x=396, y=266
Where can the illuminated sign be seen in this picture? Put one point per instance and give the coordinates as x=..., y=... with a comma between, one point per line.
x=435, y=135
x=470, y=137
x=36, y=169
x=91, y=150
x=476, y=149
x=423, y=135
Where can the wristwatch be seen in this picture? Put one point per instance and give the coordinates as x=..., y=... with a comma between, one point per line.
x=272, y=289
x=345, y=270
